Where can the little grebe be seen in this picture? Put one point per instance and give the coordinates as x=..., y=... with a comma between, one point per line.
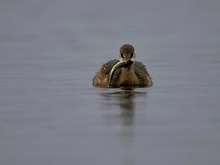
x=125, y=72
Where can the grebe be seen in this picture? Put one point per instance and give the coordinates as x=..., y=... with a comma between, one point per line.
x=125, y=72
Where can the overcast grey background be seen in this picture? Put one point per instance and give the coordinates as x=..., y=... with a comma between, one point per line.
x=51, y=114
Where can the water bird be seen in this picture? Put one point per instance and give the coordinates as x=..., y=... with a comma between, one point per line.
x=124, y=72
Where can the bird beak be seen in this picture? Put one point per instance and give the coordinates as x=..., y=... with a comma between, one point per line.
x=126, y=60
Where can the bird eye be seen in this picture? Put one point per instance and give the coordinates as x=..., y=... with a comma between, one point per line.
x=131, y=55
x=122, y=55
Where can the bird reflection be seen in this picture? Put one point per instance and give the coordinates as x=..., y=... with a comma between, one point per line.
x=120, y=106
x=127, y=106
x=124, y=100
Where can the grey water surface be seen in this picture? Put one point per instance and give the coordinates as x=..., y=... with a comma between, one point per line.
x=50, y=114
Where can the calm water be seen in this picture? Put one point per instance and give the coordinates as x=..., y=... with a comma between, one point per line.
x=51, y=114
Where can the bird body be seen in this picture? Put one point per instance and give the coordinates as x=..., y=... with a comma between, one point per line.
x=125, y=72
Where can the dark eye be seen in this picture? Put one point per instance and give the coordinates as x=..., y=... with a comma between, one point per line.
x=131, y=55
x=122, y=55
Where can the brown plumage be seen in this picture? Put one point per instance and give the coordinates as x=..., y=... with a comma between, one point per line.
x=128, y=73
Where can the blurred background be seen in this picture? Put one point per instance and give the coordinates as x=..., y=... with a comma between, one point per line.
x=51, y=114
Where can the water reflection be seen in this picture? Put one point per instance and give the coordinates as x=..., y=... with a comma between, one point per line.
x=125, y=96
x=124, y=100
x=120, y=106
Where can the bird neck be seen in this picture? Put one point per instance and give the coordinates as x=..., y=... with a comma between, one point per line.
x=128, y=77
x=128, y=69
